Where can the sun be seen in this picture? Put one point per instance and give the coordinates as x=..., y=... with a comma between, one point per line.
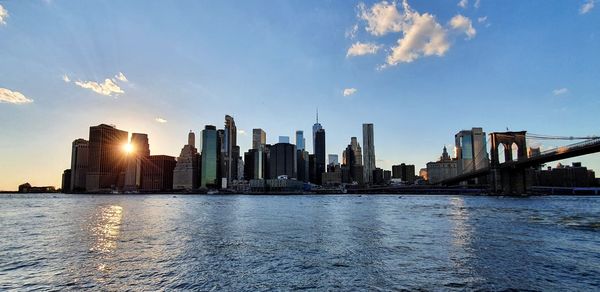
x=128, y=148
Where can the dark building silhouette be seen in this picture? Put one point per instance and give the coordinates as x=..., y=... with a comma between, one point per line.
x=282, y=160
x=157, y=173
x=378, y=176
x=79, y=165
x=404, y=172
x=566, y=176
x=66, y=181
x=230, y=150
x=186, y=175
x=302, y=164
x=140, y=150
x=353, y=166
x=107, y=158
x=27, y=188
x=319, y=155
x=312, y=168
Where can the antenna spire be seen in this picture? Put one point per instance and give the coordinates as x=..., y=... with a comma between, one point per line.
x=317, y=115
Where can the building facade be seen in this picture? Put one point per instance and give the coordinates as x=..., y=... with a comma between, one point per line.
x=140, y=150
x=210, y=152
x=187, y=167
x=319, y=155
x=444, y=168
x=368, y=152
x=157, y=173
x=259, y=138
x=107, y=158
x=282, y=160
x=79, y=165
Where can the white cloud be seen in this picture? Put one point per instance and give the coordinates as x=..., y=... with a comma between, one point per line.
x=382, y=18
x=160, y=120
x=351, y=33
x=560, y=91
x=587, y=6
x=66, y=78
x=242, y=132
x=15, y=97
x=422, y=36
x=107, y=88
x=462, y=23
x=3, y=15
x=359, y=49
x=482, y=19
x=349, y=91
x=121, y=77
x=477, y=3
x=463, y=3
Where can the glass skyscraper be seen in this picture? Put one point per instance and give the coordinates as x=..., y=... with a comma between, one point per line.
x=369, y=152
x=300, y=140
x=209, y=157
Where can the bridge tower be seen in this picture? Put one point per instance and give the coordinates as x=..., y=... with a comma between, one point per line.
x=505, y=179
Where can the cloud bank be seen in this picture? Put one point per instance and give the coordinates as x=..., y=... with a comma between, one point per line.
x=14, y=97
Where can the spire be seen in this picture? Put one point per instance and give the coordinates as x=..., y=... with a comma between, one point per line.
x=317, y=115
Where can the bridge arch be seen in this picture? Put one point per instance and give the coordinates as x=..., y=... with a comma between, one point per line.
x=507, y=139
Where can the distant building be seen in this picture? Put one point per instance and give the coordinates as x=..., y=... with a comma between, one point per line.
x=404, y=172
x=66, y=181
x=333, y=177
x=566, y=176
x=107, y=158
x=230, y=150
x=302, y=164
x=333, y=159
x=471, y=150
x=352, y=163
x=79, y=165
x=368, y=152
x=319, y=155
x=356, y=149
x=282, y=160
x=316, y=127
x=158, y=173
x=187, y=167
x=140, y=150
x=423, y=174
x=284, y=139
x=387, y=176
x=276, y=185
x=300, y=141
x=444, y=168
x=378, y=176
x=27, y=188
x=210, y=153
x=259, y=138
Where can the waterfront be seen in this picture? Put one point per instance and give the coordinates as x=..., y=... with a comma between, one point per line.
x=241, y=242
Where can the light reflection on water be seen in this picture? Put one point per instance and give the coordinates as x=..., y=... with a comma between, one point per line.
x=299, y=242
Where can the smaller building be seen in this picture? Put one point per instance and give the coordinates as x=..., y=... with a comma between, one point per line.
x=378, y=176
x=443, y=169
x=404, y=172
x=276, y=185
x=566, y=176
x=27, y=188
x=66, y=181
x=157, y=173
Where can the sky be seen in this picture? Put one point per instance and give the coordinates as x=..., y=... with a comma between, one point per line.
x=420, y=71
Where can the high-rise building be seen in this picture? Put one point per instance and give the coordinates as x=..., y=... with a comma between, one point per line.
x=66, y=181
x=284, y=139
x=185, y=174
x=300, y=140
x=282, y=160
x=333, y=159
x=79, y=165
x=404, y=172
x=302, y=164
x=319, y=155
x=369, y=152
x=316, y=127
x=259, y=138
x=140, y=150
x=157, y=173
x=107, y=158
x=471, y=151
x=210, y=153
x=230, y=154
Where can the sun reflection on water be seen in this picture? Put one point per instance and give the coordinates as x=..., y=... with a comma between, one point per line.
x=107, y=228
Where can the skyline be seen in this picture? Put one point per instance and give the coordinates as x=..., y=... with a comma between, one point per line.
x=176, y=69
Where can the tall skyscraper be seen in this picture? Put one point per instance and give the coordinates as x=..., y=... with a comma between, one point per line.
x=471, y=150
x=185, y=174
x=319, y=155
x=333, y=159
x=106, y=158
x=316, y=127
x=158, y=173
x=369, y=152
x=259, y=138
x=230, y=155
x=210, y=152
x=79, y=165
x=300, y=140
x=140, y=150
x=282, y=160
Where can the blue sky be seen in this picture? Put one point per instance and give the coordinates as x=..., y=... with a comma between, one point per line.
x=420, y=71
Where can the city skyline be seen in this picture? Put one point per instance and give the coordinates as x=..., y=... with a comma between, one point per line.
x=101, y=71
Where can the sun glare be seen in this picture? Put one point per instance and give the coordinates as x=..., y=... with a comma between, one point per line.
x=128, y=148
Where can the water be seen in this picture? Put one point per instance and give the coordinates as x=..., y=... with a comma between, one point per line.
x=71, y=242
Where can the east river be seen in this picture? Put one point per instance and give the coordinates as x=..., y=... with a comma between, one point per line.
x=243, y=242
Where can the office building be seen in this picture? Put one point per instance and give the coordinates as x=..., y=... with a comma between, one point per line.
x=319, y=155
x=444, y=168
x=368, y=152
x=316, y=127
x=300, y=141
x=231, y=150
x=404, y=172
x=157, y=173
x=282, y=160
x=79, y=165
x=471, y=150
x=106, y=159
x=139, y=151
x=302, y=165
x=259, y=138
x=284, y=139
x=333, y=159
x=66, y=181
x=210, y=152
x=187, y=167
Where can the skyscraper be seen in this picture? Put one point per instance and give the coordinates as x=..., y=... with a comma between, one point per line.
x=369, y=152
x=230, y=155
x=332, y=159
x=106, y=158
x=471, y=150
x=299, y=140
x=79, y=165
x=157, y=172
x=282, y=160
x=319, y=155
x=210, y=152
x=185, y=174
x=259, y=138
x=140, y=150
x=316, y=127
x=284, y=139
